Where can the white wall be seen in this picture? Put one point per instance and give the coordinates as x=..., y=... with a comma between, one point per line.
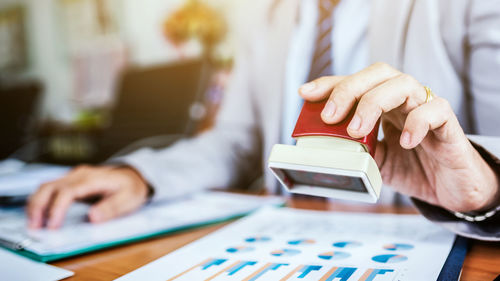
x=141, y=21
x=48, y=59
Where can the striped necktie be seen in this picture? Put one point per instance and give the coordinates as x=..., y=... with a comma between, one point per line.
x=321, y=64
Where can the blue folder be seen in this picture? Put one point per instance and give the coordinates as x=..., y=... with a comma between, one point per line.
x=453, y=265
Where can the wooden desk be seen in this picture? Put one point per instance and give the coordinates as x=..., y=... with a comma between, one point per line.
x=482, y=261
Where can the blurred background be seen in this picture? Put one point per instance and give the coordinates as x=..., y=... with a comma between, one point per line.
x=82, y=80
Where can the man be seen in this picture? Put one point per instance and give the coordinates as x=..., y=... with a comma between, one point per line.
x=452, y=46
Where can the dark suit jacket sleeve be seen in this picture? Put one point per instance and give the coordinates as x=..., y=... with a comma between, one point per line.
x=488, y=230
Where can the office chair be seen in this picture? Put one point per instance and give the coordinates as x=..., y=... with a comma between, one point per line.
x=18, y=107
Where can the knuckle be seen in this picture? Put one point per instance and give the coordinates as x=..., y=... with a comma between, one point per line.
x=364, y=109
x=444, y=108
x=419, y=112
x=65, y=194
x=370, y=101
x=34, y=204
x=407, y=78
x=46, y=187
x=443, y=103
x=414, y=116
x=323, y=79
x=80, y=189
x=383, y=66
x=141, y=190
x=340, y=100
x=342, y=92
x=82, y=168
x=380, y=64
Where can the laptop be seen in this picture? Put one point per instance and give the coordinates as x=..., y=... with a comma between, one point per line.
x=153, y=102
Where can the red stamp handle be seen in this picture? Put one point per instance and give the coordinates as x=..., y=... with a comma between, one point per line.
x=310, y=124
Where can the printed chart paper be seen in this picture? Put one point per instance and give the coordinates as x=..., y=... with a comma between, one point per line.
x=288, y=244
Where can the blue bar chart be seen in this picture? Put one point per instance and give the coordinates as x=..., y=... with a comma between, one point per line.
x=296, y=245
x=220, y=269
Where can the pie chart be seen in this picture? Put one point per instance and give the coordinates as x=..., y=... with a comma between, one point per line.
x=334, y=255
x=285, y=252
x=301, y=242
x=346, y=244
x=257, y=239
x=398, y=246
x=239, y=249
x=389, y=258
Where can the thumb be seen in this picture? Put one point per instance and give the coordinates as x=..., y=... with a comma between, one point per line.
x=113, y=206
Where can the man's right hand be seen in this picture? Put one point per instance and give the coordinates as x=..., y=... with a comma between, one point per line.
x=121, y=189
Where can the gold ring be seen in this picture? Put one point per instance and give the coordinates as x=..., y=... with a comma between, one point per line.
x=430, y=95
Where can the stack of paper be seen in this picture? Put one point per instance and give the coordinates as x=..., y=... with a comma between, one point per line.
x=79, y=236
x=17, y=179
x=14, y=267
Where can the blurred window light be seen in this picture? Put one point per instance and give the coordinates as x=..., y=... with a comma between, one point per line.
x=85, y=21
x=97, y=53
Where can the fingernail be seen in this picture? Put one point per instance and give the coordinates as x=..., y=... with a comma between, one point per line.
x=406, y=139
x=355, y=123
x=329, y=109
x=308, y=87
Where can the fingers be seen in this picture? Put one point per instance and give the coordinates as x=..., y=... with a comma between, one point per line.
x=402, y=91
x=344, y=92
x=348, y=91
x=320, y=88
x=38, y=204
x=115, y=205
x=378, y=88
x=432, y=116
x=63, y=198
x=49, y=204
x=123, y=190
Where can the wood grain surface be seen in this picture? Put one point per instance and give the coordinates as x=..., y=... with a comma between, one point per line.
x=482, y=261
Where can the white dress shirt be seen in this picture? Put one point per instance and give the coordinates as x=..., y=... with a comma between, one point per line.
x=349, y=51
x=350, y=54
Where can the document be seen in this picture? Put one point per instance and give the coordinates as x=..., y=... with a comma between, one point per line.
x=17, y=179
x=289, y=244
x=8, y=166
x=78, y=235
x=17, y=268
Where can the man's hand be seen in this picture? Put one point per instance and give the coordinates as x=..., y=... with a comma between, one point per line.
x=121, y=189
x=425, y=153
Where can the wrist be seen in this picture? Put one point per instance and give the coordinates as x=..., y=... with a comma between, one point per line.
x=137, y=181
x=479, y=190
x=493, y=200
x=490, y=187
x=491, y=205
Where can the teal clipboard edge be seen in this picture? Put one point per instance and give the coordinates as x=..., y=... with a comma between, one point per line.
x=107, y=245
